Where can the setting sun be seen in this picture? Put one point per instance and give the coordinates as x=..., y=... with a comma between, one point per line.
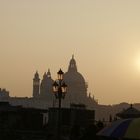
x=137, y=62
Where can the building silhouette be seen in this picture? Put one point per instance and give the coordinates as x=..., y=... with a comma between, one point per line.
x=77, y=88
x=46, y=87
x=4, y=93
x=130, y=112
x=43, y=97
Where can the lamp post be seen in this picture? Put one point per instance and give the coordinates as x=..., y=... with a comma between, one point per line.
x=59, y=89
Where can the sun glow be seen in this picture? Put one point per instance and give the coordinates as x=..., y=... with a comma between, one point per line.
x=137, y=62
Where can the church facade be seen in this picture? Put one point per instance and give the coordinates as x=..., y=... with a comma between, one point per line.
x=77, y=88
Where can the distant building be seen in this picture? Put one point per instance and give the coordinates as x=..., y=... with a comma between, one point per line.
x=4, y=93
x=77, y=88
x=130, y=112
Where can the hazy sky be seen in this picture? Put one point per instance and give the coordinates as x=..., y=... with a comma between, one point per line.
x=104, y=36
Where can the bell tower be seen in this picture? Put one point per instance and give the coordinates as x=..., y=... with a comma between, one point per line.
x=36, y=85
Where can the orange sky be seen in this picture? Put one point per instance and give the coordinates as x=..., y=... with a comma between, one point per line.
x=104, y=35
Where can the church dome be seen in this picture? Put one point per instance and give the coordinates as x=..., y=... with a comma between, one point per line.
x=77, y=89
x=74, y=77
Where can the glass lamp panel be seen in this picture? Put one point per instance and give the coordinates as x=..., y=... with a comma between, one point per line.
x=55, y=87
x=60, y=77
x=60, y=74
x=64, y=88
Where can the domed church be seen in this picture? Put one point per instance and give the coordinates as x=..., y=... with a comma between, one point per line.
x=77, y=87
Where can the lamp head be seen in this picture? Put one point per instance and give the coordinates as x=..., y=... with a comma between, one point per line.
x=60, y=74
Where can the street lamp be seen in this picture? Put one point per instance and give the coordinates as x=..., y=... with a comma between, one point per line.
x=59, y=89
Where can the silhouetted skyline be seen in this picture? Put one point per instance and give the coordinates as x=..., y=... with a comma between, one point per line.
x=103, y=36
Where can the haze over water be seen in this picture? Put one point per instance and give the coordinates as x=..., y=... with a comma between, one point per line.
x=104, y=36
